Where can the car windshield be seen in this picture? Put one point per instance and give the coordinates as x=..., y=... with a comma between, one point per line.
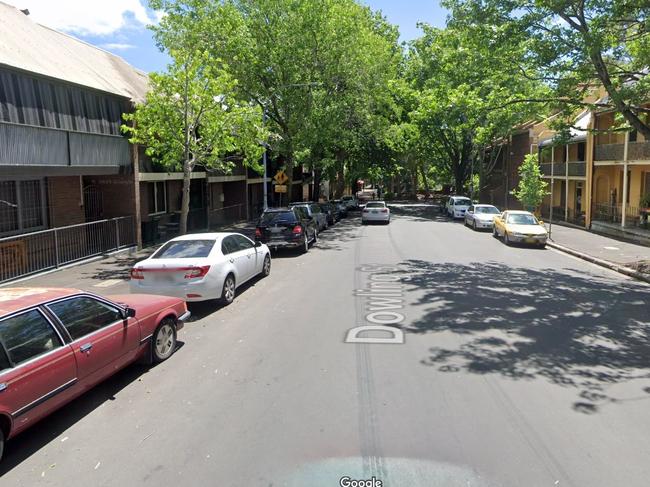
x=487, y=209
x=462, y=202
x=522, y=219
x=376, y=205
x=184, y=249
x=278, y=217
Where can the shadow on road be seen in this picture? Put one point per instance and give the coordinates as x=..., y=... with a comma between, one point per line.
x=575, y=330
x=24, y=445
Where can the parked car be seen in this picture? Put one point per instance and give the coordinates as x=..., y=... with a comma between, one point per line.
x=314, y=211
x=457, y=206
x=520, y=227
x=481, y=216
x=350, y=202
x=286, y=228
x=342, y=208
x=55, y=344
x=330, y=212
x=375, y=211
x=201, y=267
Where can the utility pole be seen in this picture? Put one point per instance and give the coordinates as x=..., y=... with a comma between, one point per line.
x=266, y=202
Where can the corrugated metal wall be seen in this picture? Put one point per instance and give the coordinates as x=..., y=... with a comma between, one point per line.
x=35, y=146
x=34, y=101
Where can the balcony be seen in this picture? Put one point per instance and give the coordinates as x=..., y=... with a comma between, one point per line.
x=576, y=168
x=26, y=145
x=608, y=152
x=638, y=151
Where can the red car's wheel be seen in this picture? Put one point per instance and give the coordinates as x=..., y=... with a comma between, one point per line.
x=164, y=340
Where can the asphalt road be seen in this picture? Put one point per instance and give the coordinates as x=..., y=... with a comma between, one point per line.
x=518, y=367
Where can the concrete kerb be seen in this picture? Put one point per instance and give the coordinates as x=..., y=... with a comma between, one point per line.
x=603, y=263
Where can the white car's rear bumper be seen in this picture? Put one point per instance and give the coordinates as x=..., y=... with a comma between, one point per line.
x=375, y=217
x=199, y=291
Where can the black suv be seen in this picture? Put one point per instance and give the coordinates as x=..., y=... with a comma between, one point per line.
x=286, y=227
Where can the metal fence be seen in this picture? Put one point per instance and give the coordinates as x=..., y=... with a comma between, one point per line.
x=28, y=253
x=227, y=215
x=634, y=217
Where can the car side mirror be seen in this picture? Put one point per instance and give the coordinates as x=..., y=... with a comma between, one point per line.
x=541, y=222
x=258, y=243
x=128, y=313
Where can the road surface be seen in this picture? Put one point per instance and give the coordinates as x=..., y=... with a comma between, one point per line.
x=512, y=367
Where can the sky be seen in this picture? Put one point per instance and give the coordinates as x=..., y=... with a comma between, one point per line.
x=120, y=26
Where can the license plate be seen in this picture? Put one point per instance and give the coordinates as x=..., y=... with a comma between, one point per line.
x=531, y=240
x=165, y=277
x=276, y=230
x=374, y=211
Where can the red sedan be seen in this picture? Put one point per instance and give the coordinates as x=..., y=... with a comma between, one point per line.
x=55, y=344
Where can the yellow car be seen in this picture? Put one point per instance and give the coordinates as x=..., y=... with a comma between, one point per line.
x=520, y=227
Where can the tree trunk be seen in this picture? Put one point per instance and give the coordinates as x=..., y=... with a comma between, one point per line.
x=185, y=197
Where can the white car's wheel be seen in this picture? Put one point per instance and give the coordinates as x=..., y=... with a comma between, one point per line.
x=474, y=225
x=506, y=239
x=266, y=266
x=495, y=234
x=228, y=293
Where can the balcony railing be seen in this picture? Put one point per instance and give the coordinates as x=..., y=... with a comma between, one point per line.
x=576, y=168
x=638, y=151
x=608, y=152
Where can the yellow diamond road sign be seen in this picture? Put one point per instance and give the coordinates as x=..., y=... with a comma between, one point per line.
x=280, y=177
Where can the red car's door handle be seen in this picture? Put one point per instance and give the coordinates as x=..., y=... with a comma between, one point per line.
x=3, y=386
x=85, y=347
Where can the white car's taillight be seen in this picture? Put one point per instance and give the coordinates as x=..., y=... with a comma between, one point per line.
x=137, y=274
x=197, y=272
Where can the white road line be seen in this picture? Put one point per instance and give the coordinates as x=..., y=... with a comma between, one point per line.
x=108, y=283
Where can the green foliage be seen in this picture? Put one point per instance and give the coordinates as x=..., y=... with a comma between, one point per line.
x=192, y=116
x=645, y=201
x=532, y=188
x=459, y=78
x=574, y=47
x=320, y=69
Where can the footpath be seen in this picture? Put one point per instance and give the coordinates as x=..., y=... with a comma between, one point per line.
x=627, y=258
x=106, y=274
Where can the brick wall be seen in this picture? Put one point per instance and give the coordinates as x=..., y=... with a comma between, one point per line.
x=65, y=200
x=118, y=197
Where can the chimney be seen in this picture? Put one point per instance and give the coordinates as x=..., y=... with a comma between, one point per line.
x=25, y=11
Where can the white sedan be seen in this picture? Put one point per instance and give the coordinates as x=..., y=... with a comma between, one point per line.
x=481, y=216
x=201, y=266
x=375, y=211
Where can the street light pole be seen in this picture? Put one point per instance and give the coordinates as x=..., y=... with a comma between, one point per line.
x=266, y=202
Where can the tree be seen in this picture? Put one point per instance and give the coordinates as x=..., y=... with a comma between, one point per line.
x=575, y=46
x=532, y=188
x=191, y=116
x=317, y=68
x=459, y=78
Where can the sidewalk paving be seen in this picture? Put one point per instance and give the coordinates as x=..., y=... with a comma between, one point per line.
x=106, y=274
x=630, y=255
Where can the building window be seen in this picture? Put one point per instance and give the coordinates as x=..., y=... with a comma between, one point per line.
x=633, y=136
x=581, y=151
x=157, y=198
x=22, y=206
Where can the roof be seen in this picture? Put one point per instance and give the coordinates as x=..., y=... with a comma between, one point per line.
x=204, y=236
x=32, y=47
x=578, y=130
x=16, y=298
